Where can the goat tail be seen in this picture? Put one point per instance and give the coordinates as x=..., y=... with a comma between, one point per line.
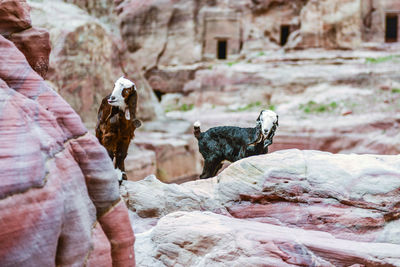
x=196, y=129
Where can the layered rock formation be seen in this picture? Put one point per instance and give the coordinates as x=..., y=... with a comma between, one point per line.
x=176, y=156
x=33, y=42
x=59, y=196
x=331, y=24
x=288, y=208
x=87, y=56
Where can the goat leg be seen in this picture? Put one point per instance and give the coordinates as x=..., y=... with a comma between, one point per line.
x=210, y=169
x=217, y=168
x=122, y=152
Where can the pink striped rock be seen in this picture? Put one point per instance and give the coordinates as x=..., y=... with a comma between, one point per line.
x=287, y=208
x=59, y=198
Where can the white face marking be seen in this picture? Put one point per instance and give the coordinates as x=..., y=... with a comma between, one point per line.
x=116, y=98
x=267, y=119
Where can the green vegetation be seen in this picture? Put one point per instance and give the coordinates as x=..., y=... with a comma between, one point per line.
x=313, y=107
x=249, y=106
x=396, y=90
x=260, y=54
x=230, y=64
x=186, y=107
x=252, y=106
x=183, y=107
x=381, y=59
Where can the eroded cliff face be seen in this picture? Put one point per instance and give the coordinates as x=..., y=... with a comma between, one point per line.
x=87, y=55
x=287, y=208
x=59, y=196
x=157, y=32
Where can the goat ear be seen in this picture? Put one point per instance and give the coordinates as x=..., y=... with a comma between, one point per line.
x=132, y=103
x=259, y=116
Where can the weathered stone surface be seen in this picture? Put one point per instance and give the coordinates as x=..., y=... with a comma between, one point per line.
x=34, y=43
x=56, y=179
x=152, y=198
x=304, y=182
x=95, y=7
x=343, y=209
x=373, y=15
x=14, y=16
x=140, y=163
x=208, y=239
x=157, y=32
x=177, y=156
x=86, y=59
x=169, y=81
x=331, y=24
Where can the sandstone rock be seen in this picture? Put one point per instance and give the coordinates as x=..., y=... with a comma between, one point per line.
x=140, y=163
x=34, y=43
x=170, y=33
x=208, y=239
x=151, y=198
x=86, y=59
x=350, y=197
x=164, y=29
x=177, y=157
x=14, y=16
x=277, y=78
x=331, y=24
x=169, y=81
x=56, y=179
x=95, y=7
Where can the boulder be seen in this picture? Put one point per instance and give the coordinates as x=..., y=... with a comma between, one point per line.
x=208, y=239
x=14, y=16
x=34, y=43
x=59, y=198
x=86, y=59
x=176, y=156
x=157, y=32
x=140, y=163
x=347, y=206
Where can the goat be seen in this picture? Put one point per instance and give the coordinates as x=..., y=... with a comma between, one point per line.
x=116, y=123
x=234, y=143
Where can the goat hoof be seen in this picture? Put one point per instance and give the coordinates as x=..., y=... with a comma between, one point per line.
x=124, y=177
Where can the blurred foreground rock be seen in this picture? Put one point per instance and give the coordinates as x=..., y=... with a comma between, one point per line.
x=59, y=198
x=287, y=208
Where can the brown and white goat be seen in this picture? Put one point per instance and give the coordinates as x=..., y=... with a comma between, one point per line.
x=116, y=122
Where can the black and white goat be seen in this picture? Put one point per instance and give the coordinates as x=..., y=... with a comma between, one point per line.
x=234, y=143
x=116, y=122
